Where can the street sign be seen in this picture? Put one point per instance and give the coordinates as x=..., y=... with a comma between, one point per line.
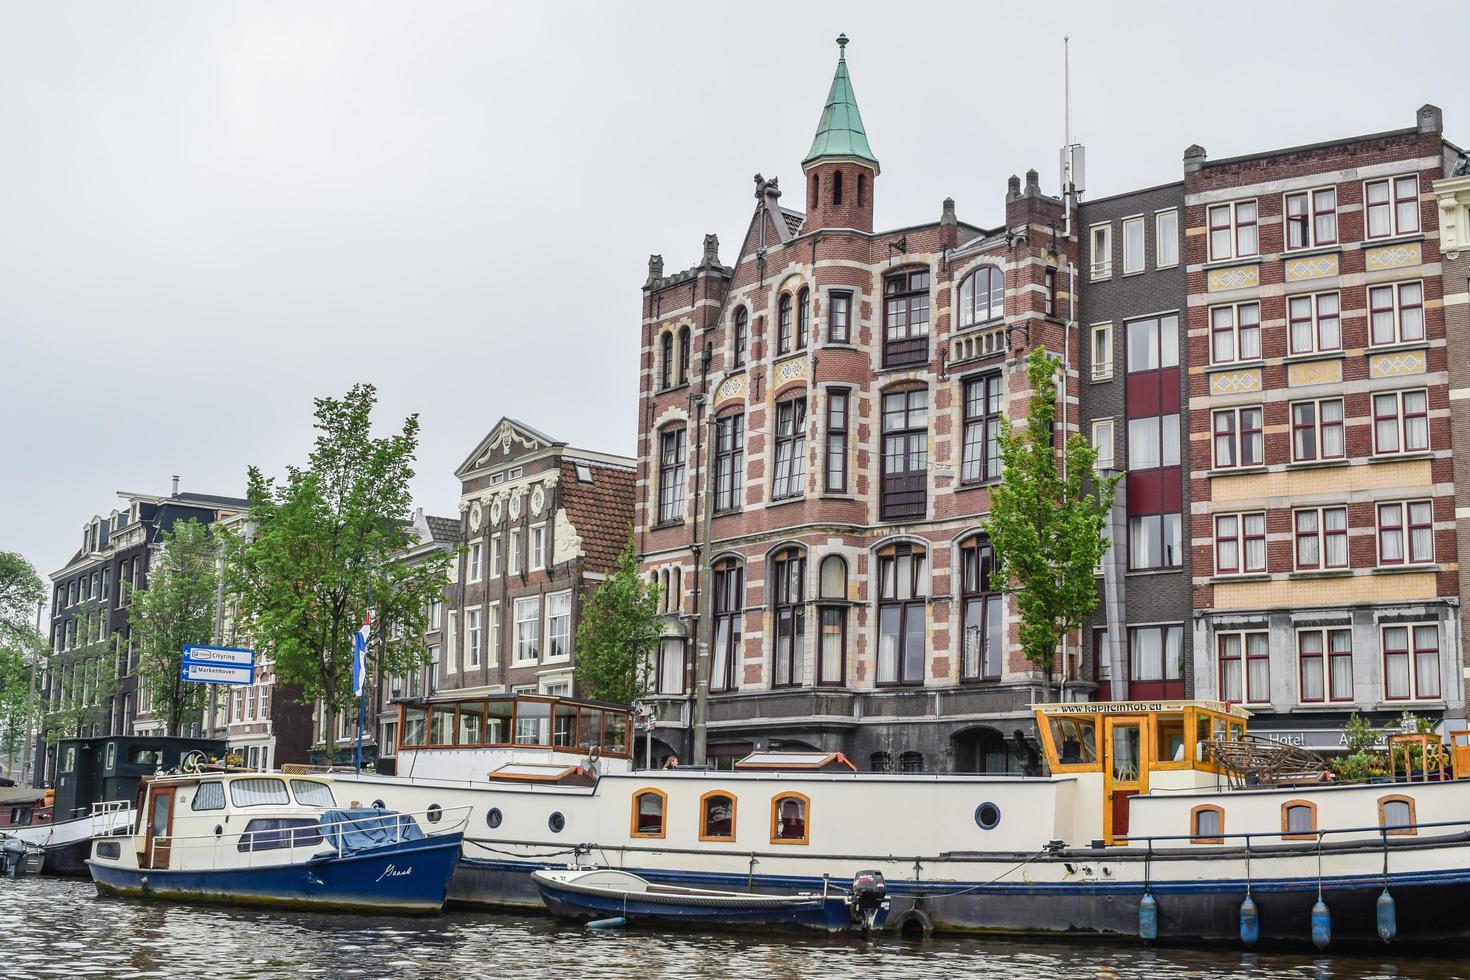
x=217, y=665
x=216, y=674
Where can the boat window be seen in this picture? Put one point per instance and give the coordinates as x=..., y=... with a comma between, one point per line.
x=471, y=724
x=441, y=726
x=533, y=723
x=110, y=849
x=1206, y=825
x=209, y=796
x=258, y=792
x=564, y=725
x=309, y=793
x=556, y=823
x=434, y=813
x=789, y=819
x=139, y=756
x=1075, y=741
x=615, y=737
x=648, y=813
x=1125, y=754
x=717, y=816
x=415, y=726
x=1169, y=746
x=1202, y=737
x=274, y=833
x=497, y=722
x=987, y=816
x=589, y=728
x=1298, y=820
x=493, y=817
x=1396, y=815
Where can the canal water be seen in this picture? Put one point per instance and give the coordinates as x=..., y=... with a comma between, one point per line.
x=56, y=928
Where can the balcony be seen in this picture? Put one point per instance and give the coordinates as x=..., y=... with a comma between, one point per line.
x=978, y=343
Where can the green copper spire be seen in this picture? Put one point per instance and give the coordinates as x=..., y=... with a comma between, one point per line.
x=840, y=133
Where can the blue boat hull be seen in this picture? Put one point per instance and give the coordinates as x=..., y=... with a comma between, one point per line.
x=829, y=914
x=408, y=877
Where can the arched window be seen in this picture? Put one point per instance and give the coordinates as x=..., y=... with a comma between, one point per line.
x=788, y=596
x=1206, y=825
x=729, y=585
x=880, y=762
x=911, y=762
x=903, y=584
x=790, y=816
x=832, y=641
x=803, y=317
x=684, y=355
x=1396, y=815
x=1298, y=820
x=671, y=475
x=982, y=296
x=783, y=324
x=666, y=359
x=837, y=187
x=663, y=590
x=741, y=335
x=717, y=816
x=983, y=635
x=649, y=808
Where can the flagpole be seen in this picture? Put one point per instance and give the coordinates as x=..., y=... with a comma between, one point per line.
x=362, y=687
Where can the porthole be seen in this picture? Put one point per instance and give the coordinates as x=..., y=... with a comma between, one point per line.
x=436, y=813
x=493, y=816
x=219, y=830
x=111, y=850
x=987, y=816
x=556, y=822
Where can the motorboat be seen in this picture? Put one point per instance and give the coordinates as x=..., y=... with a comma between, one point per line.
x=605, y=894
x=268, y=839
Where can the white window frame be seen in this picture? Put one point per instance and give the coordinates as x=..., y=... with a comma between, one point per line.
x=473, y=637
x=533, y=604
x=1312, y=242
x=536, y=559
x=550, y=657
x=1315, y=300
x=494, y=555
x=1171, y=237
x=1394, y=228
x=1100, y=425
x=451, y=644
x=1235, y=226
x=1100, y=270
x=436, y=616
x=513, y=556
x=1128, y=223
x=492, y=635
x=1102, y=370
x=476, y=562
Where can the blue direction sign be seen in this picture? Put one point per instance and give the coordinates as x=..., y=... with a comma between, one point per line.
x=218, y=665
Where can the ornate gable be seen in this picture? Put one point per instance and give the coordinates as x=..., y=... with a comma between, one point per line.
x=507, y=441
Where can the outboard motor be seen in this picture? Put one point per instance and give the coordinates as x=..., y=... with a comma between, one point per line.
x=869, y=900
x=12, y=856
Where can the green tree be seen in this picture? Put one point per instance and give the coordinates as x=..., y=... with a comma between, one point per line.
x=324, y=546
x=1046, y=523
x=175, y=609
x=20, y=591
x=84, y=678
x=619, y=628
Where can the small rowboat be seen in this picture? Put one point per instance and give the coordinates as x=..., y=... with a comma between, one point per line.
x=606, y=894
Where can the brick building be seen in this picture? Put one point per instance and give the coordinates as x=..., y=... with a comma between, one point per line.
x=1325, y=561
x=540, y=524
x=1452, y=197
x=838, y=390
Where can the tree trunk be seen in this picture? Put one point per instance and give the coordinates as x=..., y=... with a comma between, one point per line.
x=329, y=742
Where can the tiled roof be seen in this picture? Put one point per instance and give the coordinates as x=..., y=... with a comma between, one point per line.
x=793, y=220
x=444, y=529
x=238, y=503
x=601, y=511
x=840, y=132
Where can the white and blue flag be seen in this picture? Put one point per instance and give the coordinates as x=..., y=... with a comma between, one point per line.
x=359, y=654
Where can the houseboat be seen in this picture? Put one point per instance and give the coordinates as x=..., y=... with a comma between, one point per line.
x=1161, y=820
x=244, y=838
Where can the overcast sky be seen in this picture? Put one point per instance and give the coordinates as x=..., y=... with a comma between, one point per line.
x=212, y=212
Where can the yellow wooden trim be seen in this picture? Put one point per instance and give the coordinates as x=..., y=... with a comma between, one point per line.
x=734, y=811
x=806, y=803
x=1193, y=824
x=1413, y=818
x=1285, y=807
x=663, y=826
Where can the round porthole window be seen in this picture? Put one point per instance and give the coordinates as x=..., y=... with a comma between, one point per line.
x=556, y=822
x=436, y=813
x=493, y=816
x=987, y=816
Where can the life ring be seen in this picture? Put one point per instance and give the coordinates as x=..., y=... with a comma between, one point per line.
x=913, y=924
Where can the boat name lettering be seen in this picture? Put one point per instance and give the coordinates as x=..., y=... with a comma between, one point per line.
x=392, y=872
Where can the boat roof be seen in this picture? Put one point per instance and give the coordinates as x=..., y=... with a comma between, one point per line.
x=1137, y=707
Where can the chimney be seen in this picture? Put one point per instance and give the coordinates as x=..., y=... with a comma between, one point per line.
x=1013, y=188
x=1430, y=118
x=1033, y=183
x=176, y=485
x=948, y=225
x=1194, y=158
x=655, y=269
x=711, y=251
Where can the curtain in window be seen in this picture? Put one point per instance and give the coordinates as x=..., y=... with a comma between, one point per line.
x=1258, y=663
x=1396, y=662
x=258, y=792
x=1426, y=661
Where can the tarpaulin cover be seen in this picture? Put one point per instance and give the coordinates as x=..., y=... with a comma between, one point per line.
x=368, y=827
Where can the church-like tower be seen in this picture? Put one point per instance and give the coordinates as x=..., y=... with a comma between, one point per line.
x=840, y=167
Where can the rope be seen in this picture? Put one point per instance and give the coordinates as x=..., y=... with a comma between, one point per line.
x=543, y=854
x=986, y=884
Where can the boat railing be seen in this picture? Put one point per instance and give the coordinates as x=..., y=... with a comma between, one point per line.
x=1317, y=837
x=266, y=848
